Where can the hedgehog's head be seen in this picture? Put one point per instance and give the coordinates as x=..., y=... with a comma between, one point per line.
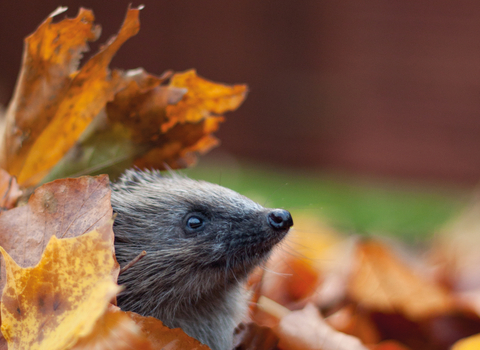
x=205, y=225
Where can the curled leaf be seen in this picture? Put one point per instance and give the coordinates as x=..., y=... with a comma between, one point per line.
x=9, y=190
x=202, y=99
x=133, y=130
x=42, y=128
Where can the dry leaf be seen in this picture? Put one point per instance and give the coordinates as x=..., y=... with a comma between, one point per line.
x=43, y=82
x=9, y=190
x=455, y=250
x=140, y=107
x=354, y=321
x=306, y=330
x=64, y=208
x=380, y=281
x=251, y=336
x=51, y=305
x=177, y=147
x=163, y=337
x=34, y=143
x=132, y=130
x=114, y=330
x=390, y=345
x=295, y=271
x=202, y=99
x=470, y=343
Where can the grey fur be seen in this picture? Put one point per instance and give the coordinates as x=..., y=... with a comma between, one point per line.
x=191, y=281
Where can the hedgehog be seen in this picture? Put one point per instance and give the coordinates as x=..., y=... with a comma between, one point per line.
x=202, y=240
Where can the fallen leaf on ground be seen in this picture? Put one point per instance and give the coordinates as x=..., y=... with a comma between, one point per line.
x=63, y=208
x=51, y=305
x=470, y=343
x=355, y=321
x=380, y=281
x=455, y=250
x=162, y=337
x=389, y=345
x=306, y=330
x=251, y=336
x=9, y=190
x=114, y=330
x=295, y=271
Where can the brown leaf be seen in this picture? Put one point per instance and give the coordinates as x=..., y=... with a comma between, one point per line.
x=295, y=275
x=35, y=143
x=140, y=107
x=390, y=345
x=176, y=148
x=51, y=305
x=64, y=208
x=251, y=336
x=306, y=330
x=354, y=321
x=132, y=130
x=380, y=281
x=9, y=190
x=163, y=337
x=168, y=124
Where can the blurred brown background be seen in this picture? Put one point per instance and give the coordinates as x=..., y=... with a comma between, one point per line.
x=384, y=88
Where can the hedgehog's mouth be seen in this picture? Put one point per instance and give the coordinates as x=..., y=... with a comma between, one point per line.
x=247, y=254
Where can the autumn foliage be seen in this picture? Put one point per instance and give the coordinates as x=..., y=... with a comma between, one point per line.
x=59, y=273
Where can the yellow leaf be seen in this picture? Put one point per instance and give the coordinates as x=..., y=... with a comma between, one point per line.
x=114, y=330
x=50, y=56
x=203, y=98
x=51, y=305
x=470, y=343
x=73, y=98
x=65, y=208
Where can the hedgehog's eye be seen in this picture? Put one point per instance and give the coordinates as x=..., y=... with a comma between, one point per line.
x=195, y=222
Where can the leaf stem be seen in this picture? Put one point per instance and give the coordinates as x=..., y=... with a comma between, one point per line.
x=133, y=262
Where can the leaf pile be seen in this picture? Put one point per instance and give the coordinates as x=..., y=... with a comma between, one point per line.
x=333, y=292
x=59, y=272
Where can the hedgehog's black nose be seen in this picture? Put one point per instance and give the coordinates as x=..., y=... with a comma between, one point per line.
x=280, y=219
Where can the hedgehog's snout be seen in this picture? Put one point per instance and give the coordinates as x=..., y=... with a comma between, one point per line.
x=280, y=220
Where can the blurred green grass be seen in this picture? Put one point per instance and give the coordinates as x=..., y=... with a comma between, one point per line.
x=411, y=211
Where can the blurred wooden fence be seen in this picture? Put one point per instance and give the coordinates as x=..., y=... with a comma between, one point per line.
x=374, y=87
